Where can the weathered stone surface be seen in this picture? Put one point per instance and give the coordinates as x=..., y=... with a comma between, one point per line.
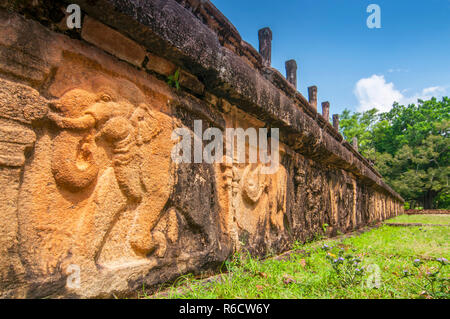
x=191, y=82
x=12, y=272
x=265, y=45
x=86, y=144
x=291, y=72
x=336, y=121
x=326, y=111
x=312, y=96
x=159, y=65
x=223, y=72
x=112, y=41
x=355, y=143
x=24, y=54
x=22, y=104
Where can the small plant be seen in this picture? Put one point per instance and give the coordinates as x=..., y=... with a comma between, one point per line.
x=436, y=286
x=406, y=273
x=173, y=80
x=242, y=261
x=324, y=227
x=346, y=266
x=297, y=245
x=316, y=236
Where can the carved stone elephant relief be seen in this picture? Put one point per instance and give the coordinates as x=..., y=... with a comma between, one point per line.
x=105, y=187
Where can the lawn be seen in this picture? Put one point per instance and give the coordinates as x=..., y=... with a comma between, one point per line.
x=422, y=219
x=386, y=262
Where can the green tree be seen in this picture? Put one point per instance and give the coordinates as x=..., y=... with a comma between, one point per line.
x=410, y=148
x=360, y=125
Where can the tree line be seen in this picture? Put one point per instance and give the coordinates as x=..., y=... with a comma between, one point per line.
x=409, y=146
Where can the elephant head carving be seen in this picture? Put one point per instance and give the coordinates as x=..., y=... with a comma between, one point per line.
x=82, y=116
x=73, y=163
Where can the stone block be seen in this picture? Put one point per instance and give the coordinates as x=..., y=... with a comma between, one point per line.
x=112, y=41
x=159, y=65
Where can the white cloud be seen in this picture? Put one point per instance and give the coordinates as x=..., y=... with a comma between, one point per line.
x=376, y=92
x=397, y=70
x=426, y=94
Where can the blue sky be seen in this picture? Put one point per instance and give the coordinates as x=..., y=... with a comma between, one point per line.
x=353, y=66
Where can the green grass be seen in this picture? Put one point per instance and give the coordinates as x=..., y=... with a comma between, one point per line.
x=307, y=273
x=422, y=219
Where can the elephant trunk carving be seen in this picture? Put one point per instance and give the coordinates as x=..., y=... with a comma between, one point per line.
x=73, y=163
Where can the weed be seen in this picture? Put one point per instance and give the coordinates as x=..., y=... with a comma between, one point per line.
x=173, y=80
x=436, y=285
x=346, y=266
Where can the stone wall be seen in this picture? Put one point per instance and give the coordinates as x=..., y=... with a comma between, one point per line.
x=89, y=186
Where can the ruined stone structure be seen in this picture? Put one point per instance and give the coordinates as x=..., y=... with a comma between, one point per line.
x=88, y=183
